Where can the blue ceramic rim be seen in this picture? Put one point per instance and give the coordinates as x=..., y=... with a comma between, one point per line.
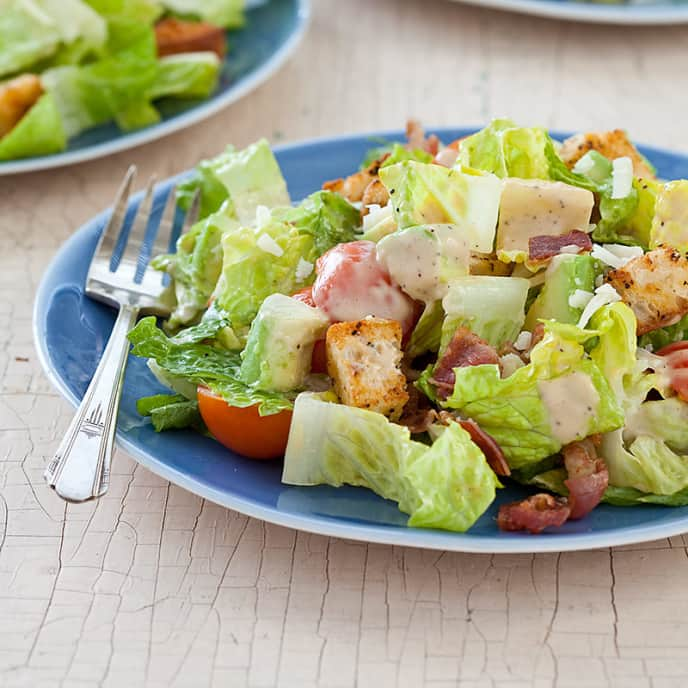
x=639, y=15
x=177, y=122
x=331, y=526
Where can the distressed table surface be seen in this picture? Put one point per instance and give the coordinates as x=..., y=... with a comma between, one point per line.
x=154, y=586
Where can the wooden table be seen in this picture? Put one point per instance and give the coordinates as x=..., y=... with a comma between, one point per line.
x=153, y=586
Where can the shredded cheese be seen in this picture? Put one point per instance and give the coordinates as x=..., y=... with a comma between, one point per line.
x=604, y=295
x=262, y=215
x=580, y=298
x=266, y=243
x=622, y=177
x=570, y=248
x=376, y=214
x=523, y=341
x=303, y=269
x=510, y=364
x=615, y=255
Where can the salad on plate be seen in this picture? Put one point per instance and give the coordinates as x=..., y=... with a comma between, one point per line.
x=69, y=65
x=451, y=316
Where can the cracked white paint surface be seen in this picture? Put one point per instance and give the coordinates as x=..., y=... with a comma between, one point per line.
x=152, y=586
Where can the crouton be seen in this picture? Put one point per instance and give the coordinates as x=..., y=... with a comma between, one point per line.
x=363, y=359
x=375, y=194
x=488, y=264
x=173, y=36
x=611, y=144
x=355, y=185
x=655, y=286
x=17, y=96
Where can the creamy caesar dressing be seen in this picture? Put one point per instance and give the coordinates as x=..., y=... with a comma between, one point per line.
x=423, y=260
x=571, y=402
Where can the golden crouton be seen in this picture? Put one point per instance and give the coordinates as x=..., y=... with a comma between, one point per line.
x=363, y=359
x=488, y=264
x=355, y=185
x=375, y=194
x=173, y=36
x=17, y=96
x=655, y=286
x=611, y=144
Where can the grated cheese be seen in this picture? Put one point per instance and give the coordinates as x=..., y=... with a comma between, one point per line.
x=615, y=255
x=604, y=295
x=580, y=298
x=376, y=214
x=523, y=341
x=303, y=269
x=262, y=215
x=269, y=245
x=622, y=177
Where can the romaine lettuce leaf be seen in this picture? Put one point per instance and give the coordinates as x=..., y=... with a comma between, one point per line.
x=559, y=397
x=171, y=412
x=201, y=364
x=39, y=132
x=427, y=333
x=226, y=13
x=144, y=11
x=32, y=31
x=491, y=307
x=447, y=485
x=657, y=339
x=426, y=194
x=506, y=150
x=188, y=75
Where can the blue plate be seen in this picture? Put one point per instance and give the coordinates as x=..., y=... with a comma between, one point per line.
x=640, y=12
x=257, y=50
x=71, y=331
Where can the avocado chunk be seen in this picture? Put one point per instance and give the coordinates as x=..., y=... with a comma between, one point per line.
x=565, y=274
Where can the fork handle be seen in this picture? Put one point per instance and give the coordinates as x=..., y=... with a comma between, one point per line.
x=80, y=469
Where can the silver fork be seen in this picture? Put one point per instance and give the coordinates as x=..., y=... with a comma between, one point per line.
x=80, y=469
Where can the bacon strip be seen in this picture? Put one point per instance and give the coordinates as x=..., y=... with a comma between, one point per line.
x=415, y=135
x=493, y=452
x=534, y=514
x=546, y=246
x=588, y=477
x=465, y=349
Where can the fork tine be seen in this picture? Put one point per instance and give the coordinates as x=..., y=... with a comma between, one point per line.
x=192, y=214
x=131, y=255
x=163, y=232
x=115, y=224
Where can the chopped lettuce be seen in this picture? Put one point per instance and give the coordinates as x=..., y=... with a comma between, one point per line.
x=188, y=75
x=427, y=333
x=144, y=11
x=39, y=132
x=226, y=13
x=424, y=194
x=202, y=364
x=32, y=31
x=559, y=397
x=328, y=217
x=447, y=485
x=491, y=307
x=506, y=150
x=171, y=412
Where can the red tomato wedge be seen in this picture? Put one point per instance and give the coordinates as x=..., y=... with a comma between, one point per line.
x=244, y=430
x=677, y=360
x=351, y=284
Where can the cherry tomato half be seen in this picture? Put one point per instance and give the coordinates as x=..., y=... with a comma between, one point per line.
x=244, y=430
x=351, y=284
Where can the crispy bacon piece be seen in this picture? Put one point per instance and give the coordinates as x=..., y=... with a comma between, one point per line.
x=544, y=247
x=534, y=514
x=493, y=452
x=588, y=477
x=417, y=415
x=415, y=134
x=465, y=349
x=173, y=36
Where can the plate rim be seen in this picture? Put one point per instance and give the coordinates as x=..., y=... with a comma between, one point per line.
x=328, y=525
x=626, y=15
x=183, y=120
